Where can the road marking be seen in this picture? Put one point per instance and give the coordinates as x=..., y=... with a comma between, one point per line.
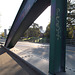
x=70, y=50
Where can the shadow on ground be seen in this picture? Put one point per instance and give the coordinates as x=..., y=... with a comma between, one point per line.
x=8, y=66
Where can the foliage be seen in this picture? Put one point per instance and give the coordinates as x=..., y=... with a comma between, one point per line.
x=33, y=31
x=70, y=19
x=70, y=13
x=36, y=39
x=47, y=32
x=2, y=34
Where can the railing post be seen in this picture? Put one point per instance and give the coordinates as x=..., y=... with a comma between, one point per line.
x=57, y=36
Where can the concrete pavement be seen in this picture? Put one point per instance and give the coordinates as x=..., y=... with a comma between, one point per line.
x=30, y=51
x=38, y=55
x=8, y=66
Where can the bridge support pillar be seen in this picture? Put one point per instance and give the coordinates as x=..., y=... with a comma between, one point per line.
x=57, y=36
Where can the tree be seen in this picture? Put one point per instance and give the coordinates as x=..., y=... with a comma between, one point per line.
x=2, y=34
x=41, y=29
x=47, y=32
x=33, y=31
x=70, y=19
x=70, y=13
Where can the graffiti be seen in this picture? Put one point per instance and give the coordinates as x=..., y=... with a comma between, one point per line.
x=58, y=30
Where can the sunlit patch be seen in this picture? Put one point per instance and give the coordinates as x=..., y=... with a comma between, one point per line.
x=70, y=56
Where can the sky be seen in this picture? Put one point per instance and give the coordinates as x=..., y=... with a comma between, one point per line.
x=9, y=9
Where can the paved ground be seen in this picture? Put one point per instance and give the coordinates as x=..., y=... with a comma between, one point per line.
x=38, y=55
x=70, y=57
x=30, y=51
x=8, y=66
x=2, y=40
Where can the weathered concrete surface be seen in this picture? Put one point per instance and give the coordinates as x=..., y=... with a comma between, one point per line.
x=8, y=66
